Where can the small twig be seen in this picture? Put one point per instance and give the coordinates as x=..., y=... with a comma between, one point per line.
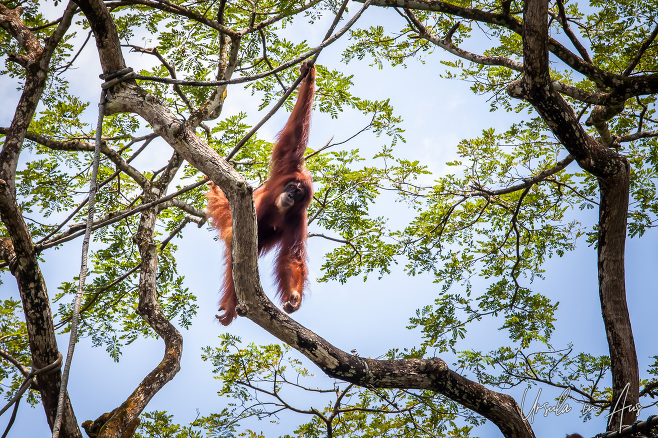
x=70, y=63
x=333, y=239
x=337, y=18
x=317, y=151
x=580, y=195
x=43, y=26
x=527, y=182
x=326, y=146
x=267, y=59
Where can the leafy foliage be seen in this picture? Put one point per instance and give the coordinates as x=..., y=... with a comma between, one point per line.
x=265, y=381
x=13, y=343
x=483, y=231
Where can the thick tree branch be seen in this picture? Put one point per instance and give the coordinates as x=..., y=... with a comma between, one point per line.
x=31, y=285
x=179, y=10
x=124, y=420
x=624, y=86
x=38, y=60
x=637, y=136
x=36, y=307
x=11, y=21
x=429, y=374
x=187, y=208
x=612, y=171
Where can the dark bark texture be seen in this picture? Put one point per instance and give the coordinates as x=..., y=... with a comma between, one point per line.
x=31, y=285
x=536, y=86
x=612, y=171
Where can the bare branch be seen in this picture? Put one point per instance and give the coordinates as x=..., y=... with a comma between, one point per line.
x=567, y=29
x=643, y=48
x=267, y=59
x=527, y=182
x=636, y=136
x=446, y=44
x=170, y=68
x=111, y=218
x=515, y=225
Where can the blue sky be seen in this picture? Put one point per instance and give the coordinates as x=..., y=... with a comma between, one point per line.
x=367, y=316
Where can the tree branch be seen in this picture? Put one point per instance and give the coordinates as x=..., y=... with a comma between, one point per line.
x=124, y=420
x=31, y=285
x=170, y=68
x=82, y=146
x=625, y=86
x=612, y=171
x=446, y=44
x=643, y=48
x=176, y=9
x=527, y=182
x=567, y=29
x=75, y=230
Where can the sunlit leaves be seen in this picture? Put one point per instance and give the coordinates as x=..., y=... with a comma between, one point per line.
x=52, y=184
x=266, y=381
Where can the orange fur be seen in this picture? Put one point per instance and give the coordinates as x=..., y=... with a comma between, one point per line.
x=285, y=229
